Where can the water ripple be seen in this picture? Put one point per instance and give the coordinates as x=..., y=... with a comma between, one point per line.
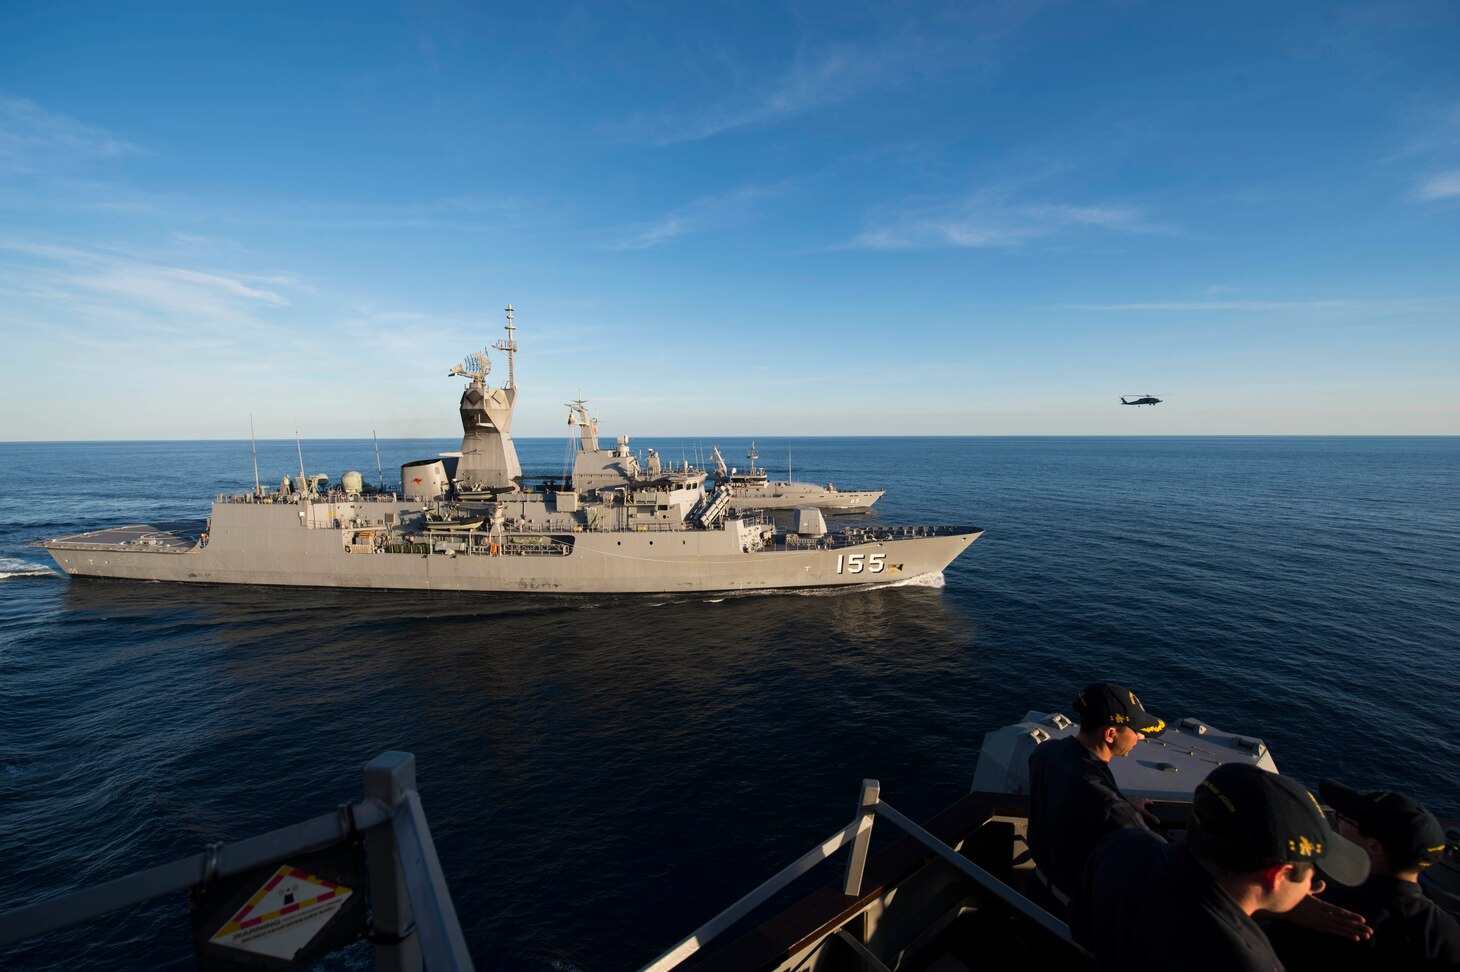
x=588, y=762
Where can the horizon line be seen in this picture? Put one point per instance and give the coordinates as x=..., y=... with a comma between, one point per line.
x=905, y=435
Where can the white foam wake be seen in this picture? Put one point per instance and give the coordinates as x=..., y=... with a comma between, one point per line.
x=13, y=567
x=841, y=590
x=922, y=580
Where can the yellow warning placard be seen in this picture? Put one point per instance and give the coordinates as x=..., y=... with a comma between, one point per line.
x=284, y=915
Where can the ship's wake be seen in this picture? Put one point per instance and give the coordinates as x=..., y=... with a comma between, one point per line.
x=12, y=568
x=922, y=580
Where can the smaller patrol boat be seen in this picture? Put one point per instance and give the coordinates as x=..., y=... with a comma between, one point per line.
x=755, y=490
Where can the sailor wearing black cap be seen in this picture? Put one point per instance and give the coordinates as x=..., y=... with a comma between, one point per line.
x=1401, y=838
x=1073, y=799
x=1256, y=841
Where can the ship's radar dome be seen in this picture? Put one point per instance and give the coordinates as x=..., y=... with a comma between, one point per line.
x=352, y=482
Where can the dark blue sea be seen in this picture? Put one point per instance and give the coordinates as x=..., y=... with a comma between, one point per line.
x=602, y=774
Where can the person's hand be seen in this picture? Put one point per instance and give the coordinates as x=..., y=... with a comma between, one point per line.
x=1318, y=915
x=1143, y=807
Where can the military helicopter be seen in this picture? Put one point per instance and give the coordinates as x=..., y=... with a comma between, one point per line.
x=1146, y=399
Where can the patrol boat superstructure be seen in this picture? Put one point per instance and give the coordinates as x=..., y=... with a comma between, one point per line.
x=466, y=522
x=755, y=490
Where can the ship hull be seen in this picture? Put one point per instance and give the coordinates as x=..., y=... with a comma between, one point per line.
x=283, y=553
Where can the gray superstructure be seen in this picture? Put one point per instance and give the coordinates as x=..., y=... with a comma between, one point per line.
x=755, y=490
x=467, y=522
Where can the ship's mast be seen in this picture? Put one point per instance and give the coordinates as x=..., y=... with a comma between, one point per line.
x=587, y=427
x=254, y=442
x=379, y=473
x=510, y=346
x=300, y=448
x=488, y=456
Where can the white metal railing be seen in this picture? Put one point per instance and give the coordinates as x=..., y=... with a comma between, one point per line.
x=688, y=946
x=413, y=921
x=855, y=536
x=287, y=499
x=486, y=543
x=858, y=833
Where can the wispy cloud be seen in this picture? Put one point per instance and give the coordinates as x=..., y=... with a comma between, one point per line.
x=1329, y=306
x=1433, y=129
x=34, y=140
x=698, y=216
x=989, y=219
x=1443, y=185
x=813, y=81
x=174, y=288
x=95, y=288
x=1433, y=148
x=898, y=48
x=471, y=212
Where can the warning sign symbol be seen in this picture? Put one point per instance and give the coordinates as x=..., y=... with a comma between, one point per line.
x=284, y=914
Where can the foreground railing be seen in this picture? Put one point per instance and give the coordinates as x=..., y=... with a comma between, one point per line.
x=286, y=894
x=858, y=834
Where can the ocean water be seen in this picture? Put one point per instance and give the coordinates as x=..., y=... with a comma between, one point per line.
x=603, y=774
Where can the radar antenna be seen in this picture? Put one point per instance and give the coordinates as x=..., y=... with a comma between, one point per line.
x=475, y=366
x=510, y=346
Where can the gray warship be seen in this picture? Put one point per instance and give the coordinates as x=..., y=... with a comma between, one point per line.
x=754, y=490
x=468, y=521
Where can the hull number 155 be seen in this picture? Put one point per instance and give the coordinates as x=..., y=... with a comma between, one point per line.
x=856, y=563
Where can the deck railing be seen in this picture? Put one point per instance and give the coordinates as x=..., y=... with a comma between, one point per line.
x=858, y=834
x=287, y=499
x=487, y=544
x=412, y=918
x=852, y=536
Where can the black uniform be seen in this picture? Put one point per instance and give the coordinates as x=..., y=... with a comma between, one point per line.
x=1145, y=904
x=1073, y=803
x=1410, y=932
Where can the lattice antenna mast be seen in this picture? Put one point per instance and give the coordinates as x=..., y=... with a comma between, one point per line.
x=510, y=346
x=475, y=366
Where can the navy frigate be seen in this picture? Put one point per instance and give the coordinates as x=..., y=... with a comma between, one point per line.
x=468, y=521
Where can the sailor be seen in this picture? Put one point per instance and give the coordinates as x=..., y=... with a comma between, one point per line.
x=1073, y=799
x=1255, y=841
x=1401, y=838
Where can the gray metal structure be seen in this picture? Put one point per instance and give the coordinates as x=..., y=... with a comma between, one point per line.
x=467, y=522
x=755, y=490
x=414, y=922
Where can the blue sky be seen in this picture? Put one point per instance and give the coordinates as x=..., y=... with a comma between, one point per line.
x=730, y=218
